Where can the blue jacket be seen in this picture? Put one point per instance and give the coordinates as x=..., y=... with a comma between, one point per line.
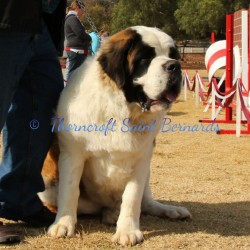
x=95, y=44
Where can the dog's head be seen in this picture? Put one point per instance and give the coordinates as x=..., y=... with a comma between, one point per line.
x=143, y=62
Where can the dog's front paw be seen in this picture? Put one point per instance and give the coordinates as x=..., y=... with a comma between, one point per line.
x=127, y=238
x=65, y=226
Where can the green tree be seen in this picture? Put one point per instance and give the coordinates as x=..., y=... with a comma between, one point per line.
x=100, y=13
x=156, y=13
x=198, y=18
x=123, y=15
x=232, y=6
x=182, y=19
x=241, y=4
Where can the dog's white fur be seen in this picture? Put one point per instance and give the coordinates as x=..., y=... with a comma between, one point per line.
x=114, y=168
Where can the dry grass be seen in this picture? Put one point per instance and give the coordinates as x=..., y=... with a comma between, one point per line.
x=207, y=173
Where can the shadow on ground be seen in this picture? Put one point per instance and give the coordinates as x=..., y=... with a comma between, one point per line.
x=225, y=219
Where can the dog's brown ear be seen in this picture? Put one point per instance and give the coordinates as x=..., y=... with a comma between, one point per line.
x=114, y=56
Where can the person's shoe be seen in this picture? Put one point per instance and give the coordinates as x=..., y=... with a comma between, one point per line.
x=8, y=235
x=43, y=218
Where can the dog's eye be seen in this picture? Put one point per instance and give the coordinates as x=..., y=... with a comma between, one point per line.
x=144, y=61
x=141, y=66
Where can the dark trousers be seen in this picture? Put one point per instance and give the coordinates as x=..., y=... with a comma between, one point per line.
x=74, y=60
x=30, y=83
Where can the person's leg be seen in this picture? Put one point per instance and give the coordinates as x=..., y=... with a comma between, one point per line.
x=66, y=72
x=15, y=55
x=27, y=133
x=74, y=61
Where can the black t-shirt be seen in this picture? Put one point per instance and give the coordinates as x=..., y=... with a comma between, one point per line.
x=26, y=16
x=21, y=16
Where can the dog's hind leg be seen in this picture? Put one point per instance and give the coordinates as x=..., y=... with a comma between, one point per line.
x=86, y=206
x=155, y=208
x=110, y=216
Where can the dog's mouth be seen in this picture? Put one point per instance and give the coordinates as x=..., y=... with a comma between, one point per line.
x=168, y=98
x=165, y=100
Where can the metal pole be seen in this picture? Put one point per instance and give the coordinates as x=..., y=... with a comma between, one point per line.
x=229, y=59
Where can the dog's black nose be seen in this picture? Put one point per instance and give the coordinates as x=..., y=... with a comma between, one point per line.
x=171, y=66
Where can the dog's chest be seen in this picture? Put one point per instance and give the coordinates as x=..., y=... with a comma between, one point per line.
x=105, y=177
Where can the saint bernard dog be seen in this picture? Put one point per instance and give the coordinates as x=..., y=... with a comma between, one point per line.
x=104, y=160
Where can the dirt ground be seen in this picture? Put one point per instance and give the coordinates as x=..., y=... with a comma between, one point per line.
x=205, y=172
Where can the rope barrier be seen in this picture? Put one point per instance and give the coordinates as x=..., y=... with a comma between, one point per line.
x=244, y=109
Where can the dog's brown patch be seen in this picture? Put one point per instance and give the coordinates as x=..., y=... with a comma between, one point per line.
x=50, y=169
x=113, y=56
